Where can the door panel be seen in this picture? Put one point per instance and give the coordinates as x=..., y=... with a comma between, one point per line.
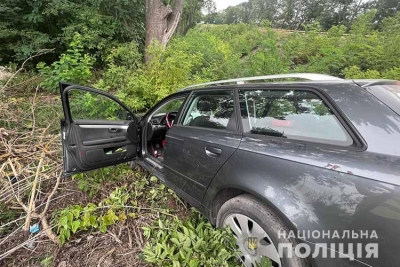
x=189, y=165
x=202, y=141
x=90, y=143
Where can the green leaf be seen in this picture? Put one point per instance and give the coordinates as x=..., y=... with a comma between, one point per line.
x=63, y=222
x=175, y=241
x=75, y=225
x=103, y=228
x=194, y=263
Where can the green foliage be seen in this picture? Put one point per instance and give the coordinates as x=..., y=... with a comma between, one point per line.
x=355, y=72
x=73, y=66
x=192, y=13
x=108, y=212
x=264, y=262
x=127, y=200
x=6, y=215
x=297, y=14
x=27, y=26
x=267, y=58
x=191, y=243
x=364, y=23
x=47, y=262
x=91, y=182
x=216, y=52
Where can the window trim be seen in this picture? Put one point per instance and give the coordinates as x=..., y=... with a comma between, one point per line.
x=189, y=100
x=65, y=88
x=358, y=144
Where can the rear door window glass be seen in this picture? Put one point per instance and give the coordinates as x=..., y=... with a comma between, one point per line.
x=213, y=110
x=291, y=114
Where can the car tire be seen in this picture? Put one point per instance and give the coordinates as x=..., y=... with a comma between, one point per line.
x=247, y=206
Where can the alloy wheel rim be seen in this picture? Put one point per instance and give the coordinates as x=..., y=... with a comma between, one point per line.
x=252, y=241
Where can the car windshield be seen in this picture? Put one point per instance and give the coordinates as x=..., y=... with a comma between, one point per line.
x=388, y=94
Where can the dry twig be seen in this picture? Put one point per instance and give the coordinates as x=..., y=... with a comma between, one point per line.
x=37, y=54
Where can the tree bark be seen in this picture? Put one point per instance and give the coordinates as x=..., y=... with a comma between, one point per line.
x=161, y=21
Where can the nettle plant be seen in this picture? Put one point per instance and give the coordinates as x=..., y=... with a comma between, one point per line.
x=172, y=242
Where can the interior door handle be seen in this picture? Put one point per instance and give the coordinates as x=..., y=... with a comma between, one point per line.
x=113, y=130
x=213, y=151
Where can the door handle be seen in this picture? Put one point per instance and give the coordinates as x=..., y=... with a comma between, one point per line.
x=213, y=151
x=113, y=130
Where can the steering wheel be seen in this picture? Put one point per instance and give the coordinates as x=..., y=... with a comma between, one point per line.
x=169, y=119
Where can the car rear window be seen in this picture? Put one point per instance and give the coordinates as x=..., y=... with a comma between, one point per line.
x=291, y=114
x=388, y=94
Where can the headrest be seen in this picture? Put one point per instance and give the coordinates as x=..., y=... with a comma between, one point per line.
x=207, y=104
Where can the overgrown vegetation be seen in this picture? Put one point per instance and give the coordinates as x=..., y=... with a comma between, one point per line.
x=297, y=14
x=209, y=53
x=137, y=196
x=191, y=243
x=74, y=66
x=27, y=26
x=101, y=44
x=173, y=239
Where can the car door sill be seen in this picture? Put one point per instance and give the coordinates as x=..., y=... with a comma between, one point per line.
x=154, y=164
x=149, y=167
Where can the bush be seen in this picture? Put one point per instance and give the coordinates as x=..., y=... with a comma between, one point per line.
x=73, y=66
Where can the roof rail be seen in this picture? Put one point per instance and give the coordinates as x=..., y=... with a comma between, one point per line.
x=305, y=76
x=372, y=82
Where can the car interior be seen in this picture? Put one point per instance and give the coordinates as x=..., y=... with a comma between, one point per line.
x=158, y=125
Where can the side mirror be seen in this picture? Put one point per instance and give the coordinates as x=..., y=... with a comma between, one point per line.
x=129, y=116
x=124, y=115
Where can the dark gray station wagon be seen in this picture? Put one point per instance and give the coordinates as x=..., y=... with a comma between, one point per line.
x=305, y=173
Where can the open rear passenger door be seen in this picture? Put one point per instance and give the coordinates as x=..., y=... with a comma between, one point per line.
x=97, y=131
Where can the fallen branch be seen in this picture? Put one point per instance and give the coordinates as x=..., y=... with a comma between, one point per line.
x=33, y=193
x=37, y=54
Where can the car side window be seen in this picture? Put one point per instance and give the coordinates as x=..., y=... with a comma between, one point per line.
x=85, y=105
x=170, y=106
x=292, y=114
x=211, y=110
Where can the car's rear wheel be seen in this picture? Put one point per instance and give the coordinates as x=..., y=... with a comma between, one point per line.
x=256, y=229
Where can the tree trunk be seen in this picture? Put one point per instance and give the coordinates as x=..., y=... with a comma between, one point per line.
x=161, y=21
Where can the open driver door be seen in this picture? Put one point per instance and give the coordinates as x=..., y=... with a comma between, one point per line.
x=97, y=131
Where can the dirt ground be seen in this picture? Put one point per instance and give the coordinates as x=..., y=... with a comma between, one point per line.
x=121, y=245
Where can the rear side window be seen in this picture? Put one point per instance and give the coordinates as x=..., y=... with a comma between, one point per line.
x=291, y=114
x=213, y=110
x=388, y=94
